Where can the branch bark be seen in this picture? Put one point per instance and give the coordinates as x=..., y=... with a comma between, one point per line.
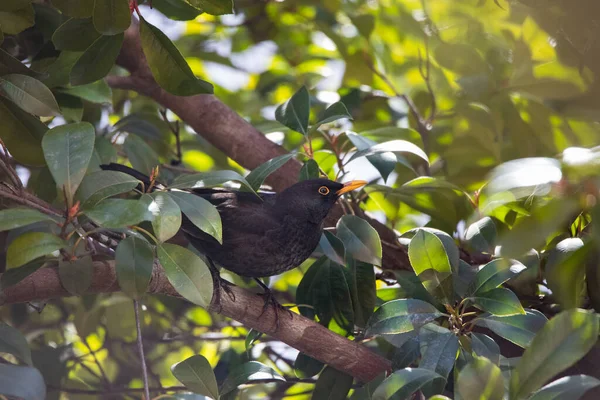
x=301, y=333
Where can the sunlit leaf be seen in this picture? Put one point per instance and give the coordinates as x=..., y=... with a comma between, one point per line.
x=519, y=329
x=295, y=112
x=310, y=170
x=208, y=179
x=481, y=234
x=485, y=346
x=402, y=315
x=565, y=271
x=333, y=113
x=200, y=212
x=213, y=7
x=494, y=274
x=439, y=347
x=118, y=213
x=479, y=380
x=258, y=175
x=569, y=387
x=29, y=94
x=395, y=146
x=16, y=217
x=499, y=302
x=402, y=383
x=246, y=373
x=360, y=239
x=30, y=246
x=197, y=375
x=166, y=214
x=332, y=385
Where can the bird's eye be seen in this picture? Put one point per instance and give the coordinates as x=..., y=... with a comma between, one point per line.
x=324, y=190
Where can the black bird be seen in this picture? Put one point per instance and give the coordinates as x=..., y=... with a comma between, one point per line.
x=263, y=236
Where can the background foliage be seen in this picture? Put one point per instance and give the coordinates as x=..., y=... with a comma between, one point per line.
x=476, y=122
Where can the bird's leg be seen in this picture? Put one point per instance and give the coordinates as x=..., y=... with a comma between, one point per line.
x=219, y=283
x=270, y=300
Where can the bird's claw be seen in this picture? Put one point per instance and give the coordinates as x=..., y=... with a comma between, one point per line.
x=270, y=300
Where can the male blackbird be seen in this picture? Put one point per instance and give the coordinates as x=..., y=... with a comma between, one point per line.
x=262, y=236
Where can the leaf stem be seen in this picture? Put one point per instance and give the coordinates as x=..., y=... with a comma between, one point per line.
x=138, y=326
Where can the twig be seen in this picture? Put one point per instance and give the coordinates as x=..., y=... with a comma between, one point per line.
x=174, y=128
x=140, y=345
x=93, y=353
x=8, y=168
x=9, y=193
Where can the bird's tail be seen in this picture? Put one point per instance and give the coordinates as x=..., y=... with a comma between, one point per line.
x=145, y=179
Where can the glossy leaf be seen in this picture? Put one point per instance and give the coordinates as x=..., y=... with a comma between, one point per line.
x=360, y=239
x=310, y=170
x=71, y=107
x=208, y=179
x=134, y=260
x=98, y=92
x=438, y=347
x=402, y=383
x=17, y=217
x=76, y=276
x=75, y=35
x=29, y=94
x=333, y=113
x=213, y=7
x=101, y=185
x=564, y=340
x=142, y=157
x=22, y=382
x=168, y=66
x=246, y=373
x=385, y=162
x=166, y=214
x=252, y=337
x=393, y=146
x=68, y=150
x=482, y=234
x=333, y=247
x=306, y=367
x=295, y=112
x=519, y=329
x=565, y=271
x=485, y=346
x=479, y=380
x=399, y=316
x=111, y=17
x=200, y=212
x=460, y=58
x=188, y=274
x=499, y=302
x=119, y=213
x=197, y=375
x=494, y=274
x=362, y=290
x=97, y=60
x=258, y=175
x=525, y=177
x=569, y=387
x=77, y=9
x=13, y=342
x=332, y=385
x=30, y=246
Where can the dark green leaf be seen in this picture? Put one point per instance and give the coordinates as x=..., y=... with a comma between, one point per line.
x=430, y=262
x=76, y=276
x=177, y=10
x=401, y=384
x=252, y=337
x=438, y=348
x=100, y=185
x=295, y=112
x=200, y=212
x=246, y=373
x=479, y=380
x=332, y=385
x=111, y=16
x=462, y=278
x=166, y=219
x=77, y=9
x=485, y=346
x=213, y=7
x=9, y=64
x=13, y=5
x=306, y=367
x=188, y=274
x=17, y=21
x=142, y=157
x=119, y=213
x=500, y=302
x=30, y=246
x=394, y=146
x=363, y=291
x=565, y=271
x=22, y=382
x=260, y=173
x=208, y=179
x=360, y=239
x=385, y=163
x=68, y=150
x=494, y=274
x=569, y=387
x=399, y=316
x=168, y=66
x=310, y=170
x=75, y=35
x=16, y=217
x=333, y=247
x=333, y=113
x=481, y=235
x=98, y=92
x=97, y=60
x=13, y=342
x=29, y=94
x=71, y=107
x=133, y=262
x=519, y=329
x=559, y=344
x=197, y=375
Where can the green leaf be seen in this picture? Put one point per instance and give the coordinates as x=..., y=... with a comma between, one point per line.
x=17, y=21
x=98, y=92
x=76, y=276
x=13, y=342
x=197, y=375
x=111, y=16
x=12, y=5
x=22, y=134
x=564, y=340
x=29, y=94
x=360, y=239
x=525, y=177
x=22, y=382
x=17, y=217
x=310, y=170
x=295, y=112
x=332, y=247
x=402, y=383
x=167, y=216
x=30, y=246
x=118, y=213
x=494, y=274
x=462, y=278
x=71, y=107
x=188, y=274
x=68, y=150
x=385, y=163
x=569, y=387
x=213, y=7
x=100, y=185
x=200, y=212
x=75, y=35
x=565, y=271
x=394, y=146
x=480, y=380
x=333, y=113
x=519, y=329
x=485, y=346
x=363, y=291
x=97, y=60
x=246, y=373
x=252, y=337
x=142, y=157
x=306, y=367
x=400, y=316
x=9, y=64
x=332, y=385
x=430, y=262
x=481, y=235
x=15, y=275
x=260, y=173
x=168, y=66
x=501, y=302
x=439, y=348
x=461, y=58
x=133, y=263
x=177, y=10
x=77, y=9
x=208, y=179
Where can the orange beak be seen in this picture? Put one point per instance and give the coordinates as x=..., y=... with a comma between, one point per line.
x=350, y=186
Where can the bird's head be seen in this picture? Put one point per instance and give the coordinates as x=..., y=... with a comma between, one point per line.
x=313, y=198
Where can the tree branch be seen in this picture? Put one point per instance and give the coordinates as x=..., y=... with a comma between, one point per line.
x=298, y=332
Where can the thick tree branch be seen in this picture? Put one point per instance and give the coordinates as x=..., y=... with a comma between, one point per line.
x=301, y=333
